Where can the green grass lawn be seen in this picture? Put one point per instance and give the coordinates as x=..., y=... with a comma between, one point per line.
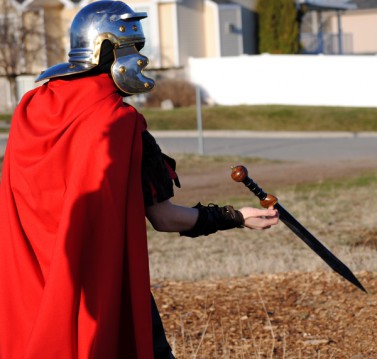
x=266, y=118
x=262, y=118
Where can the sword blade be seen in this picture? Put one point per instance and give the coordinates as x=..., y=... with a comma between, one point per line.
x=297, y=228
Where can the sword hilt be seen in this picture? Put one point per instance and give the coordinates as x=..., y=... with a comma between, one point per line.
x=240, y=174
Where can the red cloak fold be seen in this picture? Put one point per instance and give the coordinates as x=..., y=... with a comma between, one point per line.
x=74, y=277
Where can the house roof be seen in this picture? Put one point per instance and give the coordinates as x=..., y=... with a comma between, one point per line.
x=221, y=2
x=365, y=4
x=327, y=5
x=26, y=3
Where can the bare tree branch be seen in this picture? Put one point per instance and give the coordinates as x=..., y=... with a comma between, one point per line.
x=25, y=43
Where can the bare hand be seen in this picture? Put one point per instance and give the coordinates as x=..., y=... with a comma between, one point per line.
x=256, y=218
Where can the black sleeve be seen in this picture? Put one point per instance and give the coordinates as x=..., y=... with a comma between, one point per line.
x=156, y=178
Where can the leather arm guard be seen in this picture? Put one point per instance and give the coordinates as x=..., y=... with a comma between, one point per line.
x=214, y=218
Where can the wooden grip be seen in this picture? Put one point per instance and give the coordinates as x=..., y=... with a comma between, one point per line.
x=240, y=174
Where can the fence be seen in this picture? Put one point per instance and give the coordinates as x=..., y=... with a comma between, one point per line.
x=318, y=80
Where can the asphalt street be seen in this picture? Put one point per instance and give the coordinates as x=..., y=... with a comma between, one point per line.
x=289, y=146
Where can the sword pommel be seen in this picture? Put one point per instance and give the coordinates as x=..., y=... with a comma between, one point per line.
x=239, y=173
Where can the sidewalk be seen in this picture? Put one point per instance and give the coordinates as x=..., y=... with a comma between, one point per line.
x=261, y=134
x=250, y=134
x=264, y=144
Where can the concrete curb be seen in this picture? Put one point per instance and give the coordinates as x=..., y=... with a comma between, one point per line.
x=261, y=134
x=253, y=134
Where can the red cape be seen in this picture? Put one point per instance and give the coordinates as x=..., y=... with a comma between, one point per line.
x=74, y=277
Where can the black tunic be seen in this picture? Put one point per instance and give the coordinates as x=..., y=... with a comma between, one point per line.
x=157, y=181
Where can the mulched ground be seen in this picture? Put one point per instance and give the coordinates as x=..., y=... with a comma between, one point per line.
x=293, y=315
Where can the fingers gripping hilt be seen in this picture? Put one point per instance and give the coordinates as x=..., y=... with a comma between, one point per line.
x=240, y=174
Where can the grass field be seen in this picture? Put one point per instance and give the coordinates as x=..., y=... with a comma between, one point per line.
x=262, y=118
x=341, y=212
x=266, y=118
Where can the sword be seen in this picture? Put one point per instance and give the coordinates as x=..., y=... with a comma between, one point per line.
x=240, y=174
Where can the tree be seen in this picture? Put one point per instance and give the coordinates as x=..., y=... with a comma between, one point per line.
x=278, y=27
x=24, y=43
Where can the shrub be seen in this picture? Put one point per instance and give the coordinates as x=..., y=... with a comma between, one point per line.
x=181, y=93
x=278, y=27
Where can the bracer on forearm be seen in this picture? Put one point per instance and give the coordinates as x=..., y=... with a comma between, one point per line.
x=213, y=218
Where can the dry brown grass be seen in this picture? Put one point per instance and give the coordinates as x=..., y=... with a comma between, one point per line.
x=343, y=221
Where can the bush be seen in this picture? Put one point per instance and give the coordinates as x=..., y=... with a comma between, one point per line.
x=278, y=28
x=180, y=93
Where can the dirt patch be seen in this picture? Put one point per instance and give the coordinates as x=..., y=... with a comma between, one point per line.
x=295, y=315
x=205, y=184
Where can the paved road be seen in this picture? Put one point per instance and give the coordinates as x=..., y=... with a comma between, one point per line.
x=276, y=146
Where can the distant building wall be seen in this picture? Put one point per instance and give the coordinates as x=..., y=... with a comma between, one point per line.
x=230, y=18
x=316, y=80
x=362, y=25
x=190, y=30
x=249, y=29
x=211, y=29
x=167, y=13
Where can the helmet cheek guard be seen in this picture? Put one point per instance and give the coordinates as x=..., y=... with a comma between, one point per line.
x=127, y=71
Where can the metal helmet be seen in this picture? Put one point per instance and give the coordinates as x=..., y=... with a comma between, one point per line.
x=107, y=20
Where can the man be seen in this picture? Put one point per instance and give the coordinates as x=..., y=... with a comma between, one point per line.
x=80, y=174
